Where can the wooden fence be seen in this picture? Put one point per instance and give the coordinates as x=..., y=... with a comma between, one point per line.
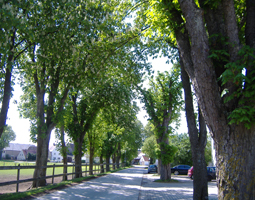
x=96, y=170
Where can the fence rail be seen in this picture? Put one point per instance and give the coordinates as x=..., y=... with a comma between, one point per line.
x=18, y=168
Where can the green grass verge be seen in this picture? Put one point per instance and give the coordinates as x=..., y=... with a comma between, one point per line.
x=35, y=191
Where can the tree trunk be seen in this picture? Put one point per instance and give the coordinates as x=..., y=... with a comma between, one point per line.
x=7, y=86
x=78, y=155
x=235, y=153
x=234, y=143
x=41, y=159
x=101, y=164
x=113, y=160
x=107, y=160
x=91, y=160
x=165, y=171
x=64, y=153
x=118, y=156
x=197, y=141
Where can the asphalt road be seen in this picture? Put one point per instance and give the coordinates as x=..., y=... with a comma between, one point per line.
x=129, y=184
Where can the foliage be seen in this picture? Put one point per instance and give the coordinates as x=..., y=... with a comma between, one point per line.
x=149, y=147
x=31, y=157
x=166, y=152
x=7, y=136
x=236, y=72
x=183, y=154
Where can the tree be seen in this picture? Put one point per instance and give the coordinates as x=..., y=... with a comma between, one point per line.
x=183, y=154
x=216, y=44
x=149, y=148
x=163, y=104
x=198, y=140
x=14, y=42
x=7, y=136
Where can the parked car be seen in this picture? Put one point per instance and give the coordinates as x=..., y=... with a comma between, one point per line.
x=211, y=173
x=180, y=169
x=152, y=168
x=190, y=172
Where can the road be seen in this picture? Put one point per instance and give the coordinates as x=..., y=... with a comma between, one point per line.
x=133, y=183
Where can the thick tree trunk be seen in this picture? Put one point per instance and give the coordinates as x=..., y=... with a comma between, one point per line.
x=41, y=158
x=197, y=141
x=107, y=160
x=235, y=153
x=78, y=155
x=165, y=168
x=101, y=164
x=234, y=143
x=165, y=171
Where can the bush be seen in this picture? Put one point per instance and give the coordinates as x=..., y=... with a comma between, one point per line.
x=31, y=157
x=7, y=156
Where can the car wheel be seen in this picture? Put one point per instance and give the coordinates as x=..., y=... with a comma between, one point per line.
x=209, y=178
x=176, y=173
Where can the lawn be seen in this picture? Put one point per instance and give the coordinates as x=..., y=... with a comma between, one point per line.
x=29, y=172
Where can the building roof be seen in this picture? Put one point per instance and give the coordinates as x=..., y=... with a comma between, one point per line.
x=32, y=150
x=17, y=147
x=145, y=158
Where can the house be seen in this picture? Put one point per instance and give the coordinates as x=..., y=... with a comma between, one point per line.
x=22, y=155
x=55, y=155
x=13, y=151
x=144, y=160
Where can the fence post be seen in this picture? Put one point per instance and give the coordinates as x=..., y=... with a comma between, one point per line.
x=18, y=172
x=53, y=173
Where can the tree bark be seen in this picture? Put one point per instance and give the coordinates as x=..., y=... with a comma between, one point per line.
x=78, y=155
x=91, y=160
x=234, y=143
x=118, y=156
x=7, y=86
x=113, y=160
x=197, y=141
x=101, y=164
x=64, y=153
x=165, y=168
x=41, y=158
x=107, y=160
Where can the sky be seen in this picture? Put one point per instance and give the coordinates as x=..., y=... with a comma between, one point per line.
x=21, y=126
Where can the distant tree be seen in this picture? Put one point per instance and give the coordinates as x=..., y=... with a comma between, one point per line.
x=31, y=157
x=163, y=104
x=183, y=154
x=149, y=148
x=7, y=136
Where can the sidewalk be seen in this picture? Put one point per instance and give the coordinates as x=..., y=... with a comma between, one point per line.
x=183, y=189
x=130, y=184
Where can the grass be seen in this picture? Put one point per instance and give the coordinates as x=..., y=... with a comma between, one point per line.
x=36, y=191
x=29, y=172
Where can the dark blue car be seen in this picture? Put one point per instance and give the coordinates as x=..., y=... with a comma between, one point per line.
x=152, y=168
x=180, y=169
